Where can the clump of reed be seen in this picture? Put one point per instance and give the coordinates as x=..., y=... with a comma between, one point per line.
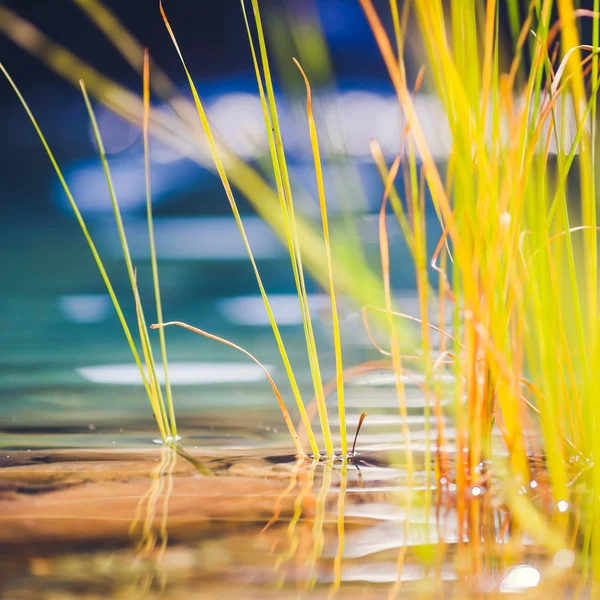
x=517, y=262
x=516, y=267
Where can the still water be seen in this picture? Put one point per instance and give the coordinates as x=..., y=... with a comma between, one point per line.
x=91, y=506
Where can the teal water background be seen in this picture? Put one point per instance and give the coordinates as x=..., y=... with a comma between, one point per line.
x=66, y=372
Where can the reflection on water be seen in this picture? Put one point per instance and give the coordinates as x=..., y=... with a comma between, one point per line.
x=144, y=524
x=250, y=310
x=180, y=373
x=65, y=342
x=149, y=533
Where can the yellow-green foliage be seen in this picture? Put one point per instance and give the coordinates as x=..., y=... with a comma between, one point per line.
x=521, y=229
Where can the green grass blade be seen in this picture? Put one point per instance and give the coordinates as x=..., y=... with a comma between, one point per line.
x=158, y=409
x=84, y=230
x=126, y=255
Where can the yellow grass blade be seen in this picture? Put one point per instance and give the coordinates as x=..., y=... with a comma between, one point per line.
x=229, y=193
x=337, y=343
x=158, y=406
x=289, y=218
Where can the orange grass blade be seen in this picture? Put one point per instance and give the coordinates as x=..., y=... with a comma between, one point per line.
x=286, y=415
x=396, y=360
x=157, y=298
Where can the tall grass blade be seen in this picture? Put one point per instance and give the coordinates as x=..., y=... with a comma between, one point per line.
x=156, y=389
x=289, y=219
x=229, y=193
x=337, y=343
x=86, y=234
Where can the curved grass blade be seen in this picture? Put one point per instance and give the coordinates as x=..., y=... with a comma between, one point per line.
x=337, y=343
x=286, y=415
x=157, y=393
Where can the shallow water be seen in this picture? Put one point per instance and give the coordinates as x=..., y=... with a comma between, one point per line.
x=142, y=522
x=91, y=507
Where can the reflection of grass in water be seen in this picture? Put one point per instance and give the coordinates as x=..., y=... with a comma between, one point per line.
x=148, y=502
x=149, y=558
x=394, y=539
x=164, y=522
x=293, y=539
x=395, y=589
x=310, y=536
x=316, y=534
x=337, y=564
x=292, y=484
x=318, y=522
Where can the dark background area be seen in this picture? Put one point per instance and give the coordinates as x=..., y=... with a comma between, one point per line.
x=213, y=39
x=212, y=36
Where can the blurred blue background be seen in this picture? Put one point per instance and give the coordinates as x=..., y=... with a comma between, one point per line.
x=64, y=361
